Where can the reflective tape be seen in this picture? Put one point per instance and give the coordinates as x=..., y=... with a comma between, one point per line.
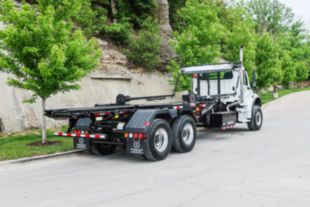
x=92, y=136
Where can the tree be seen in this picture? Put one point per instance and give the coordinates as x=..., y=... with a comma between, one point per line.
x=270, y=16
x=43, y=50
x=267, y=62
x=201, y=32
x=289, y=72
x=240, y=31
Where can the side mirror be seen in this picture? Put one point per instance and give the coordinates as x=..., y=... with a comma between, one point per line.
x=254, y=79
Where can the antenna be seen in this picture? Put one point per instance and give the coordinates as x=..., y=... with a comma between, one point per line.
x=241, y=55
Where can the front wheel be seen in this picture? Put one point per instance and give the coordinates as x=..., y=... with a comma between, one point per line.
x=159, y=141
x=257, y=119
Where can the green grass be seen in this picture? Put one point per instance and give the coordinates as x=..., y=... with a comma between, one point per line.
x=267, y=97
x=15, y=146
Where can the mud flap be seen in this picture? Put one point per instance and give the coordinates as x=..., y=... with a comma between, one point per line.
x=81, y=143
x=136, y=146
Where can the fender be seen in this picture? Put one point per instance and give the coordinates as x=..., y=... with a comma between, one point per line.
x=141, y=118
x=256, y=102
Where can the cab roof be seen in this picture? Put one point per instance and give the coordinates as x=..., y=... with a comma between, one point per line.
x=220, y=67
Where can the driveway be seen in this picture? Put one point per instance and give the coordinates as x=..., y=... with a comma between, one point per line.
x=231, y=168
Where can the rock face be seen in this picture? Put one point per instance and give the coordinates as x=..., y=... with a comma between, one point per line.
x=167, y=53
x=101, y=86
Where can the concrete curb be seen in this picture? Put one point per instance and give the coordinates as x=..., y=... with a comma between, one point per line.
x=41, y=157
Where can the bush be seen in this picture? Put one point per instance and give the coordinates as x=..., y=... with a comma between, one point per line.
x=118, y=32
x=91, y=20
x=144, y=48
x=136, y=11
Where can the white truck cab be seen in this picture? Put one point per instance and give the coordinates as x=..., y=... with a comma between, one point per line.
x=229, y=84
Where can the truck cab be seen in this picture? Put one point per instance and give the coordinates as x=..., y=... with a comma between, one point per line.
x=228, y=84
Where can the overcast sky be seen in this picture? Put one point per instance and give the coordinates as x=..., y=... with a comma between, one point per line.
x=301, y=8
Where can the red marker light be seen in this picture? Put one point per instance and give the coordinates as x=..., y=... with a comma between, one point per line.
x=140, y=136
x=135, y=135
x=147, y=123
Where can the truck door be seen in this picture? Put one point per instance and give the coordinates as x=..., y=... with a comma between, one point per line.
x=247, y=93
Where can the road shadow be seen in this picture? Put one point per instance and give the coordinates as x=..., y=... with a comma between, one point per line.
x=203, y=135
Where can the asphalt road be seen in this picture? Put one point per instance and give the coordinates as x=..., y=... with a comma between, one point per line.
x=231, y=168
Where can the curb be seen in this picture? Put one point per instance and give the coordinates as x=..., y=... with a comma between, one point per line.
x=40, y=157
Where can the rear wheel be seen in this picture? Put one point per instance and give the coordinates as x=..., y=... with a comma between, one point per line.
x=256, y=120
x=102, y=149
x=184, y=134
x=159, y=141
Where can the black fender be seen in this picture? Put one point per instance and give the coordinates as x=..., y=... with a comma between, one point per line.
x=142, y=119
x=256, y=102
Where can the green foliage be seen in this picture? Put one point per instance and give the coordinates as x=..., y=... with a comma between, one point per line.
x=289, y=72
x=198, y=43
x=302, y=71
x=240, y=32
x=144, y=48
x=41, y=48
x=184, y=81
x=270, y=16
x=207, y=30
x=118, y=32
x=135, y=11
x=174, y=7
x=267, y=63
x=91, y=18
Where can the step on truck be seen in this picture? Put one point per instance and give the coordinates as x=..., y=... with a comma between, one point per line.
x=221, y=97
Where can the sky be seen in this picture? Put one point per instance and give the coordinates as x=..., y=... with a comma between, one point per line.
x=301, y=8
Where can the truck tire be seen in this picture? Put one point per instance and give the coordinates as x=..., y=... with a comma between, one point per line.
x=184, y=134
x=102, y=149
x=257, y=119
x=159, y=141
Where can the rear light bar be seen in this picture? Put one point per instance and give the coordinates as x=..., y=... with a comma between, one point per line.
x=129, y=135
x=92, y=136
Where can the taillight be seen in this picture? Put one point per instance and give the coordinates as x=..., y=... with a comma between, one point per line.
x=134, y=135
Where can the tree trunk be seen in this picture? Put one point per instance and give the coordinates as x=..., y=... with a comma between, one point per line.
x=167, y=53
x=113, y=11
x=44, y=138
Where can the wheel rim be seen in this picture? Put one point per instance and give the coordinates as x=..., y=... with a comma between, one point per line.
x=258, y=118
x=161, y=139
x=188, y=134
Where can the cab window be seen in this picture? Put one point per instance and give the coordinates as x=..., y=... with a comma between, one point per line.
x=213, y=76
